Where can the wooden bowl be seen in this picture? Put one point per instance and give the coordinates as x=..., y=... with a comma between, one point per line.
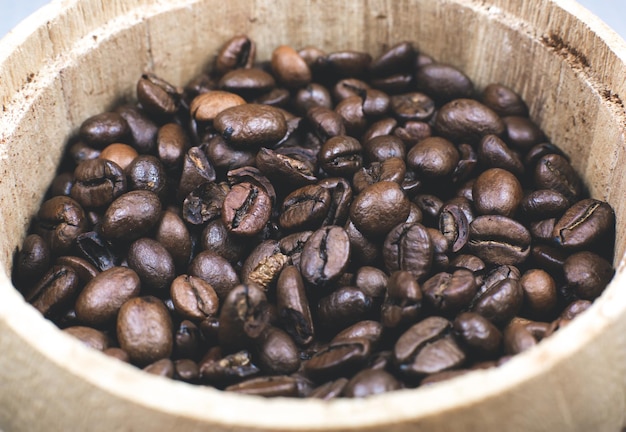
x=73, y=59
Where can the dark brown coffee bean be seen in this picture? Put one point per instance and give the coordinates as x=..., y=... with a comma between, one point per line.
x=517, y=339
x=305, y=208
x=101, y=299
x=60, y=220
x=325, y=256
x=216, y=271
x=478, y=334
x=413, y=132
x=504, y=101
x=443, y=82
x=293, y=306
x=277, y=352
x=494, y=153
x=427, y=347
x=153, y=263
x=375, y=103
x=379, y=208
x=340, y=200
x=338, y=358
x=117, y=353
x=540, y=294
x=430, y=205
x=370, y=382
x=197, y=169
x=412, y=106
x=403, y=300
x=348, y=87
x=363, y=249
x=522, y=133
x=247, y=83
x=454, y=226
x=584, y=224
x=173, y=235
x=499, y=240
x=204, y=203
x=144, y=330
x=163, y=367
x=555, y=172
x=146, y=172
x=55, y=291
x=467, y=261
x=104, y=129
x=368, y=329
x=270, y=386
x=292, y=245
x=131, y=216
x=187, y=338
x=284, y=169
x=98, y=182
x=544, y=203
x=186, y=370
x=83, y=268
x=291, y=70
x=346, y=63
x=193, y=298
x=80, y=152
x=264, y=264
x=385, y=126
x=329, y=390
x=548, y=258
x=251, y=125
x=313, y=95
x=244, y=316
x=372, y=281
x=246, y=209
x=121, y=154
x=398, y=58
x=575, y=308
x=32, y=261
x=433, y=157
x=89, y=337
x=157, y=96
x=216, y=238
x=343, y=307
x=466, y=120
x=500, y=302
x=237, y=52
x=172, y=145
x=142, y=128
x=341, y=156
x=497, y=191
x=587, y=274
x=205, y=107
x=450, y=293
x=381, y=148
x=232, y=368
x=392, y=169
x=325, y=123
x=408, y=247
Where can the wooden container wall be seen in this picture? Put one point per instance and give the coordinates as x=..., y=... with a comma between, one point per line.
x=73, y=59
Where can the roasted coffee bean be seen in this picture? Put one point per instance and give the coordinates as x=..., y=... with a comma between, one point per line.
x=544, y=203
x=392, y=169
x=497, y=191
x=343, y=307
x=32, y=261
x=216, y=238
x=587, y=274
x=142, y=128
x=97, y=183
x=400, y=57
x=313, y=95
x=117, y=353
x=89, y=337
x=364, y=250
x=291, y=70
x=193, y=298
x=499, y=240
x=59, y=221
x=386, y=126
x=146, y=172
x=341, y=156
x=575, y=308
x=348, y=87
x=121, y=154
x=517, y=339
x=372, y=281
x=504, y=101
x=204, y=203
x=346, y=63
x=548, y=257
x=173, y=235
x=216, y=271
x=247, y=83
x=246, y=209
x=55, y=291
x=83, y=268
x=370, y=382
x=104, y=129
x=153, y=263
x=433, y=157
x=494, y=153
x=277, y=352
x=430, y=205
x=340, y=200
x=292, y=245
x=584, y=224
x=172, y=145
x=403, y=300
x=163, y=367
x=449, y=293
x=408, y=247
x=144, y=330
x=98, y=251
x=186, y=370
x=218, y=370
x=478, y=334
x=368, y=329
x=244, y=316
x=500, y=302
x=251, y=125
x=522, y=133
x=454, y=226
x=381, y=148
x=443, y=82
x=101, y=299
x=157, y=96
x=284, y=169
x=394, y=84
x=196, y=170
x=329, y=390
x=467, y=261
x=238, y=52
x=338, y=358
x=293, y=306
x=271, y=386
x=305, y=208
x=325, y=123
x=325, y=256
x=553, y=171
x=264, y=264
x=187, y=339
x=466, y=120
x=427, y=347
x=413, y=132
x=379, y=207
x=375, y=103
x=80, y=152
x=412, y=106
x=540, y=293
x=61, y=184
x=131, y=216
x=205, y=107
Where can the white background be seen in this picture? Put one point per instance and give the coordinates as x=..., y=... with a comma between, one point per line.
x=612, y=12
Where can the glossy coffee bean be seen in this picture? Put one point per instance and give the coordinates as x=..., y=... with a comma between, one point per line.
x=55, y=291
x=337, y=358
x=284, y=169
x=403, y=300
x=522, y=133
x=131, y=216
x=370, y=382
x=237, y=52
x=540, y=293
x=341, y=156
x=244, y=316
x=293, y=306
x=101, y=299
x=144, y=330
x=493, y=152
x=372, y=281
x=251, y=125
x=270, y=386
x=247, y=82
x=90, y=337
x=104, y=129
x=478, y=334
x=32, y=261
x=172, y=145
x=163, y=367
x=142, y=128
x=544, y=203
x=449, y=293
x=433, y=157
x=205, y=107
x=553, y=171
x=397, y=58
x=497, y=191
x=264, y=265
x=60, y=220
x=517, y=339
x=412, y=106
x=197, y=170
x=408, y=247
x=98, y=182
x=305, y=208
x=157, y=96
x=153, y=263
x=500, y=302
x=224, y=370
x=392, y=169
x=121, y=154
x=584, y=224
x=379, y=207
x=325, y=255
x=466, y=120
x=586, y=274
x=172, y=233
x=443, y=82
x=277, y=352
x=204, y=203
x=216, y=271
x=504, y=101
x=146, y=172
x=246, y=209
x=290, y=69
x=311, y=96
x=499, y=240
x=343, y=307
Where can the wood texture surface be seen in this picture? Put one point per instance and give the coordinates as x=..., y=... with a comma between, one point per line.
x=74, y=59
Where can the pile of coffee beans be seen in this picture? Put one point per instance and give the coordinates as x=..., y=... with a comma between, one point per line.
x=320, y=224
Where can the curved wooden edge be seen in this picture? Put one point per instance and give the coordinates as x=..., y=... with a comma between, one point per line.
x=596, y=329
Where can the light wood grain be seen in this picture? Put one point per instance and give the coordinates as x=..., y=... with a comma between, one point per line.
x=75, y=58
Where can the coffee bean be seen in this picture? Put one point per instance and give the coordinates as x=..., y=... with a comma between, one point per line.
x=216, y=238
x=272, y=386
x=343, y=307
x=238, y=52
x=216, y=271
x=466, y=120
x=163, y=367
x=443, y=82
x=157, y=96
x=312, y=95
x=60, y=221
x=403, y=300
x=204, y=203
x=517, y=339
x=104, y=129
x=478, y=334
x=450, y=293
x=522, y=133
x=172, y=145
x=293, y=306
x=372, y=281
x=290, y=69
x=305, y=207
x=285, y=169
x=399, y=57
x=337, y=358
x=497, y=191
x=433, y=157
x=117, y=353
x=251, y=125
x=220, y=371
x=142, y=128
x=32, y=261
x=408, y=247
x=187, y=338
x=244, y=316
x=504, y=101
x=193, y=298
x=500, y=302
x=131, y=216
x=379, y=207
x=246, y=209
x=247, y=82
x=264, y=265
x=186, y=370
x=172, y=233
x=325, y=256
x=584, y=224
x=494, y=153
x=146, y=172
x=196, y=170
x=153, y=263
x=55, y=291
x=277, y=352
x=341, y=155
x=144, y=330
x=553, y=171
x=412, y=106
x=89, y=337
x=499, y=240
x=205, y=107
x=587, y=274
x=370, y=382
x=121, y=154
x=544, y=203
x=540, y=294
